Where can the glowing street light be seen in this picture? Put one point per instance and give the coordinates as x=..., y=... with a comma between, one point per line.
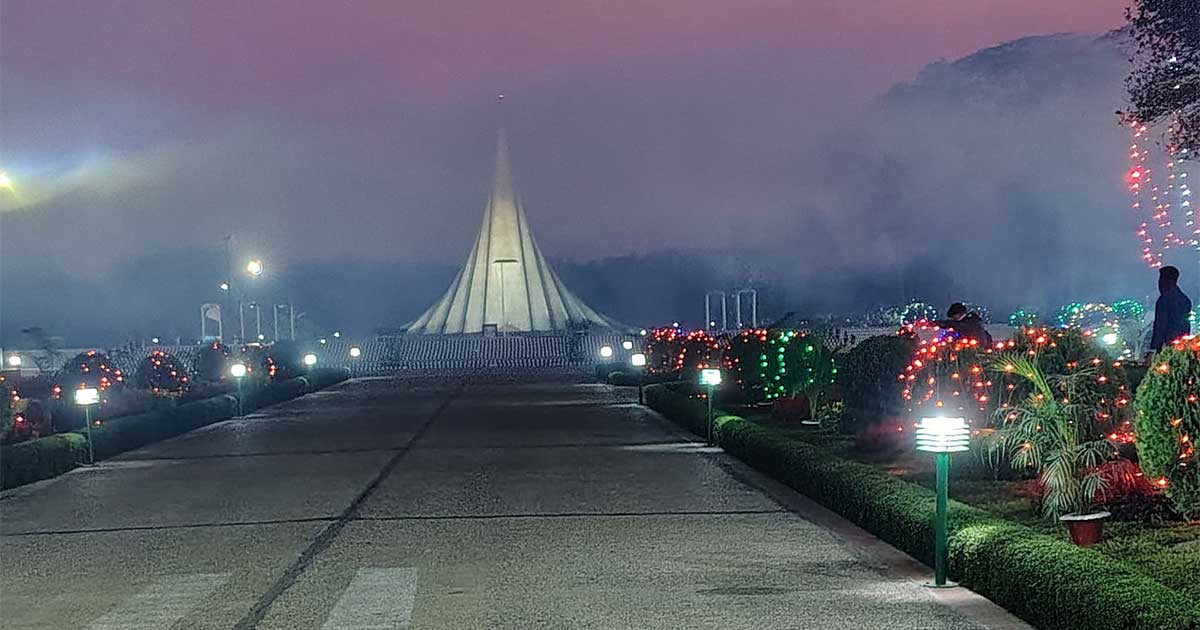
x=942, y=436
x=14, y=361
x=224, y=286
x=6, y=182
x=238, y=371
x=310, y=359
x=627, y=344
x=86, y=397
x=710, y=377
x=355, y=352
x=254, y=267
x=606, y=352
x=638, y=360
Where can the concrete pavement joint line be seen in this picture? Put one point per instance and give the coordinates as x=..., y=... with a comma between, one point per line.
x=144, y=528
x=162, y=604
x=488, y=517
x=335, y=451
x=334, y=529
x=377, y=599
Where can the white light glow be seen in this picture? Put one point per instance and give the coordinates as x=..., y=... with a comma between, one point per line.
x=710, y=376
x=637, y=360
x=355, y=352
x=237, y=370
x=14, y=360
x=310, y=359
x=1110, y=339
x=606, y=351
x=87, y=396
x=943, y=435
x=627, y=344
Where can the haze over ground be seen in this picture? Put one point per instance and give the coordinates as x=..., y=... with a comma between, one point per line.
x=351, y=148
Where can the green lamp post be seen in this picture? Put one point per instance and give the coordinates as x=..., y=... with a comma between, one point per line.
x=638, y=360
x=710, y=377
x=86, y=397
x=941, y=435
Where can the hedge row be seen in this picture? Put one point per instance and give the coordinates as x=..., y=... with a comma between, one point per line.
x=1045, y=580
x=51, y=456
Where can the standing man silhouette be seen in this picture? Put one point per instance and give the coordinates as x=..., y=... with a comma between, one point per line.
x=1171, y=311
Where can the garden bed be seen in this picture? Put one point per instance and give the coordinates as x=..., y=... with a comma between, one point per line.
x=1142, y=577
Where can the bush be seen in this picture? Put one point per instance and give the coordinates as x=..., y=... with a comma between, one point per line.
x=1167, y=420
x=40, y=459
x=1045, y=580
x=321, y=378
x=867, y=380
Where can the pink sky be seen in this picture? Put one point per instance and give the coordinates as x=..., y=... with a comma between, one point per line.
x=304, y=53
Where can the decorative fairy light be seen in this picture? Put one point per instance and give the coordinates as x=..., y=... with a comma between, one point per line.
x=1153, y=201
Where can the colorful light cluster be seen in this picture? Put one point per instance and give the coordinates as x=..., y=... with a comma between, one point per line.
x=742, y=359
x=794, y=362
x=1154, y=202
x=1022, y=317
x=89, y=369
x=668, y=349
x=946, y=371
x=161, y=373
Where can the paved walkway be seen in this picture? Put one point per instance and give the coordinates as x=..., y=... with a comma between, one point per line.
x=385, y=504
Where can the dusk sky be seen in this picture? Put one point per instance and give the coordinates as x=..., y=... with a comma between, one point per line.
x=365, y=130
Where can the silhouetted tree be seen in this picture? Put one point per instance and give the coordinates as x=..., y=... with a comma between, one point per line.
x=1164, y=85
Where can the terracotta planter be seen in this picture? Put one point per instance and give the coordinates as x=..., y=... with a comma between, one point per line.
x=1086, y=529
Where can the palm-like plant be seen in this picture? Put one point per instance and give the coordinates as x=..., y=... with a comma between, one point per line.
x=1047, y=431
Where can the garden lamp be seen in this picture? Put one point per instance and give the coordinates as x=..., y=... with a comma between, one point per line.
x=941, y=435
x=638, y=360
x=86, y=397
x=710, y=377
x=238, y=371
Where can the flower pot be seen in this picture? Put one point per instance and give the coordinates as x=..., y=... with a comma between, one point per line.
x=1086, y=529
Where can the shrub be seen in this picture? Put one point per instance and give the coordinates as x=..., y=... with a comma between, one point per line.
x=867, y=380
x=162, y=373
x=743, y=363
x=212, y=363
x=1167, y=420
x=40, y=459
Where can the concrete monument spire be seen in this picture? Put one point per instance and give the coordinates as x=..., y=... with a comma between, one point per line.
x=506, y=280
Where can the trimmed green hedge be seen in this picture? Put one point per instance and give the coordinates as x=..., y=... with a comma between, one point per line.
x=43, y=458
x=51, y=456
x=1040, y=578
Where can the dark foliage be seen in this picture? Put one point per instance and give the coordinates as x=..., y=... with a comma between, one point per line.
x=868, y=380
x=1164, y=85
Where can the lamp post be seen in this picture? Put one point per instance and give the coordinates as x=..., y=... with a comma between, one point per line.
x=638, y=360
x=710, y=377
x=238, y=371
x=86, y=397
x=942, y=436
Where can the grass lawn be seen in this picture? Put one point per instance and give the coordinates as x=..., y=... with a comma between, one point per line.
x=1168, y=552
